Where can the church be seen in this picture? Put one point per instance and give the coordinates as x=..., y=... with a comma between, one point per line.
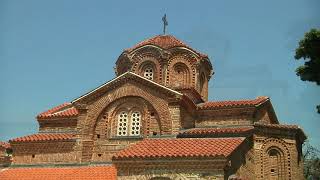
x=154, y=121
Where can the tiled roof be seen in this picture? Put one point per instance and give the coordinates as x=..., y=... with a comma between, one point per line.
x=191, y=93
x=278, y=126
x=282, y=127
x=239, y=103
x=180, y=148
x=44, y=137
x=214, y=131
x=163, y=41
x=60, y=173
x=5, y=145
x=59, y=111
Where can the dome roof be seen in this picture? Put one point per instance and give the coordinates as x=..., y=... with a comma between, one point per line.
x=164, y=42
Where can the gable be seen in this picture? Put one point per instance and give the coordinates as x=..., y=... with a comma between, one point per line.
x=122, y=79
x=102, y=106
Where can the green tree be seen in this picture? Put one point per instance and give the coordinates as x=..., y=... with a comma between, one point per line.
x=309, y=50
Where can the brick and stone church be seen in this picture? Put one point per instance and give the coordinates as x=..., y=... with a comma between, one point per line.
x=154, y=121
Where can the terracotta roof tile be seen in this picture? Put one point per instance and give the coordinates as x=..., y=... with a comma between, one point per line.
x=281, y=127
x=278, y=126
x=164, y=42
x=59, y=111
x=238, y=103
x=214, y=131
x=60, y=173
x=179, y=148
x=44, y=137
x=5, y=145
x=191, y=93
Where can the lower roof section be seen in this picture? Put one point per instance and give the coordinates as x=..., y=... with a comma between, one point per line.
x=215, y=132
x=44, y=137
x=58, y=173
x=180, y=148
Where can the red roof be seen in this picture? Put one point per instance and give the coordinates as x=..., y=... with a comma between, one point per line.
x=238, y=103
x=191, y=93
x=60, y=173
x=180, y=148
x=214, y=131
x=5, y=145
x=164, y=42
x=278, y=126
x=59, y=111
x=44, y=137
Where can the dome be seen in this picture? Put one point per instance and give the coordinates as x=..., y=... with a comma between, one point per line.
x=164, y=42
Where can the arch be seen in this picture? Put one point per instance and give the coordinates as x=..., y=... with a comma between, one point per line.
x=276, y=163
x=131, y=105
x=148, y=70
x=180, y=75
x=181, y=72
x=275, y=160
x=145, y=61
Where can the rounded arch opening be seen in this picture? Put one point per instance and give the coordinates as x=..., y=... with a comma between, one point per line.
x=275, y=159
x=148, y=70
x=180, y=75
x=127, y=114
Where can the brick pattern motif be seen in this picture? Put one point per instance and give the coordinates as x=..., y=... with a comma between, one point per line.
x=174, y=62
x=65, y=173
x=208, y=149
x=44, y=152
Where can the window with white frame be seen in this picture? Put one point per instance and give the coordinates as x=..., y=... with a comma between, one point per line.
x=129, y=123
x=148, y=73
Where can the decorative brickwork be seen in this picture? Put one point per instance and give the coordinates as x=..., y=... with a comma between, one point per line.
x=154, y=121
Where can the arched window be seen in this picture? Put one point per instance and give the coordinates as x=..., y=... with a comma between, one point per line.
x=148, y=73
x=276, y=164
x=181, y=76
x=129, y=123
x=122, y=124
x=135, y=124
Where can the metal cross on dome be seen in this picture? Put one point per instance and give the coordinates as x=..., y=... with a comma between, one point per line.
x=165, y=23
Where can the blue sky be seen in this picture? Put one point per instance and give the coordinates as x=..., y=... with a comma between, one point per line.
x=54, y=51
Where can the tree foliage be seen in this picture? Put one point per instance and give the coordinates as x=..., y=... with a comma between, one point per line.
x=311, y=158
x=309, y=50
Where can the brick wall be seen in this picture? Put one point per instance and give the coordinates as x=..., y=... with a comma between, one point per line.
x=44, y=153
x=173, y=169
x=172, y=68
x=158, y=110
x=289, y=164
x=57, y=125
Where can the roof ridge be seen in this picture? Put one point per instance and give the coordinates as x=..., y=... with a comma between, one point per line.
x=233, y=103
